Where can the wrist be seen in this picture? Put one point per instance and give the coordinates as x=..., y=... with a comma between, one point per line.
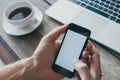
x=21, y=70
x=28, y=72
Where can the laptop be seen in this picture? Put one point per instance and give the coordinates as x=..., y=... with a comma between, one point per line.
x=102, y=17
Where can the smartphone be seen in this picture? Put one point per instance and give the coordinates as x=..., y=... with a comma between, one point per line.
x=72, y=46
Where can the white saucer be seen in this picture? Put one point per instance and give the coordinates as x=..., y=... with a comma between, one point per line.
x=17, y=31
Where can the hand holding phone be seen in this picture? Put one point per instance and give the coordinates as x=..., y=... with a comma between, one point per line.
x=72, y=46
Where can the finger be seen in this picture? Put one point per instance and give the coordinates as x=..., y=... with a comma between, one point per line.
x=82, y=69
x=95, y=57
x=76, y=76
x=86, y=60
x=58, y=42
x=55, y=33
x=89, y=60
x=89, y=45
x=95, y=65
x=85, y=54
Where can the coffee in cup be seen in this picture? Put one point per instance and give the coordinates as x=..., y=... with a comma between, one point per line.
x=19, y=13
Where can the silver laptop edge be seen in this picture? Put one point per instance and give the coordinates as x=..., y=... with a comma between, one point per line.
x=103, y=30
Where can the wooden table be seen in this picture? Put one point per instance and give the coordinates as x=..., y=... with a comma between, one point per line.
x=25, y=45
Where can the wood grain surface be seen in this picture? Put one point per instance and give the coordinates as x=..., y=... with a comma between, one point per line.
x=7, y=55
x=25, y=45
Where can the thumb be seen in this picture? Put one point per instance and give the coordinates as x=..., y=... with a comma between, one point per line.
x=55, y=33
x=82, y=69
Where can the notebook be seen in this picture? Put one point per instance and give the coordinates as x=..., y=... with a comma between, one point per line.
x=102, y=17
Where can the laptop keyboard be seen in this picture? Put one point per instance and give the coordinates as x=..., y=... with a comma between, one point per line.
x=107, y=8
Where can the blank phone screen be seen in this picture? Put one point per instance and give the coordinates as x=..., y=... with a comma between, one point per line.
x=70, y=49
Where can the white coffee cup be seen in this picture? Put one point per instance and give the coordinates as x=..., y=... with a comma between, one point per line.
x=22, y=22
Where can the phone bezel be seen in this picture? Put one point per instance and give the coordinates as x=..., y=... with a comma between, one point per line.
x=77, y=29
